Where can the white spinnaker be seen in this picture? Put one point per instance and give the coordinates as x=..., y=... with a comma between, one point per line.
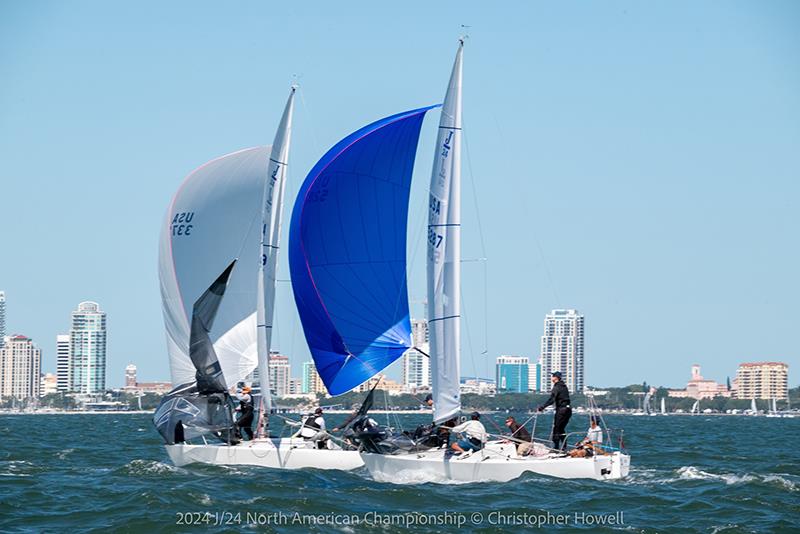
x=272, y=216
x=444, y=254
x=214, y=218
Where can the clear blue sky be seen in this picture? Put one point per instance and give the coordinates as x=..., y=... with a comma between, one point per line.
x=638, y=161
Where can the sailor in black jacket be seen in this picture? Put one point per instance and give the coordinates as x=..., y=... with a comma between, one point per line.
x=559, y=396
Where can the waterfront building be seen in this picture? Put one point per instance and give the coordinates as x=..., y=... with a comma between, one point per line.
x=20, y=368
x=130, y=376
x=562, y=349
x=49, y=384
x=700, y=388
x=762, y=380
x=511, y=374
x=159, y=388
x=63, y=364
x=280, y=372
x=419, y=332
x=2, y=318
x=477, y=386
x=88, y=349
x=384, y=383
x=311, y=381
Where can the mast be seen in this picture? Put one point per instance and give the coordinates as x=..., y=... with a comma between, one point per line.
x=444, y=253
x=271, y=216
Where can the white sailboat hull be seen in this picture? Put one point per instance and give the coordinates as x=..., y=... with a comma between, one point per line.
x=496, y=462
x=286, y=453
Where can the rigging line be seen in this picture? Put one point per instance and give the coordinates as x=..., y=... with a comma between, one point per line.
x=483, y=243
x=309, y=116
x=533, y=233
x=466, y=327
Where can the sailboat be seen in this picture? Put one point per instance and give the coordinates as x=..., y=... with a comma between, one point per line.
x=695, y=408
x=498, y=460
x=227, y=213
x=663, y=406
x=773, y=412
x=753, y=407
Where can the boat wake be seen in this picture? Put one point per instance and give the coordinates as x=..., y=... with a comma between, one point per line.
x=690, y=472
x=418, y=476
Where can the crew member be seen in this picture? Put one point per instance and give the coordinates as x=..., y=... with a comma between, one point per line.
x=520, y=436
x=246, y=412
x=473, y=434
x=590, y=445
x=313, y=429
x=559, y=396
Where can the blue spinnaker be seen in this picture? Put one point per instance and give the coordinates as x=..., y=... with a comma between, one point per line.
x=347, y=251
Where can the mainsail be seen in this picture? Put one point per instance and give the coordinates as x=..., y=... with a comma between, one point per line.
x=347, y=251
x=444, y=254
x=214, y=218
x=271, y=216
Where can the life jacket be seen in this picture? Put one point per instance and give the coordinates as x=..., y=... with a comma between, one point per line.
x=311, y=422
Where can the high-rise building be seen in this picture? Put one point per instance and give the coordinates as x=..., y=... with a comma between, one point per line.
x=63, y=364
x=562, y=349
x=2, y=317
x=762, y=380
x=534, y=376
x=416, y=365
x=416, y=369
x=88, y=349
x=280, y=372
x=311, y=381
x=512, y=374
x=419, y=332
x=130, y=376
x=20, y=368
x=295, y=386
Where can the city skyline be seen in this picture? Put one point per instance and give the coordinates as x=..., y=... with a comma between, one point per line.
x=412, y=364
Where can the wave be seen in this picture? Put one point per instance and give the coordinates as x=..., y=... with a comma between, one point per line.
x=149, y=467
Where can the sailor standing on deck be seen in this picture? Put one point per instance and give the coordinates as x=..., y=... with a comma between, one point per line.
x=246, y=412
x=559, y=396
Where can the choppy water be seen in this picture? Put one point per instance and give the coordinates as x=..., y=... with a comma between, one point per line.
x=689, y=474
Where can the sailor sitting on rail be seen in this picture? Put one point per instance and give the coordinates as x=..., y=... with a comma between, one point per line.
x=591, y=444
x=473, y=435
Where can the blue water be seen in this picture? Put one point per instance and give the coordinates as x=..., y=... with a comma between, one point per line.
x=689, y=474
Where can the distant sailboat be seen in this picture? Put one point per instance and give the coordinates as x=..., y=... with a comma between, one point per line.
x=696, y=407
x=663, y=406
x=753, y=407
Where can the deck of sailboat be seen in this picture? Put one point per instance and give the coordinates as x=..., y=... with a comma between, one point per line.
x=277, y=453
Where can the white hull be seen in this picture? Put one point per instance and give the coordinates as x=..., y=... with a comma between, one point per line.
x=286, y=453
x=496, y=462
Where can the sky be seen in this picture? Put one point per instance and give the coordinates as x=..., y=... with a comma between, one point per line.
x=637, y=161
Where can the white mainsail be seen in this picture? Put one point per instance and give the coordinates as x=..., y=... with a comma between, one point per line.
x=444, y=254
x=663, y=406
x=753, y=406
x=272, y=214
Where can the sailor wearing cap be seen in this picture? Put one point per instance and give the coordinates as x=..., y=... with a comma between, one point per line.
x=559, y=396
x=473, y=434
